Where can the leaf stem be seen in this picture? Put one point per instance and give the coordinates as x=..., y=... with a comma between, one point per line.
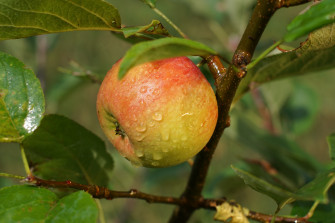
x=25, y=161
x=160, y=13
x=8, y=175
x=264, y=54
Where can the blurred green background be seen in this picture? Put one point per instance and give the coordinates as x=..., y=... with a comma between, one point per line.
x=302, y=108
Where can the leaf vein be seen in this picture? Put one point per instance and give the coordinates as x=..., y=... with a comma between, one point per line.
x=91, y=12
x=43, y=13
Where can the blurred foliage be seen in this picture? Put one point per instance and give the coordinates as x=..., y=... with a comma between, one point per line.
x=302, y=109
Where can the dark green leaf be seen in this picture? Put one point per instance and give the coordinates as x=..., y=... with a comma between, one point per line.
x=25, y=204
x=324, y=213
x=317, y=16
x=284, y=155
x=299, y=111
x=316, y=54
x=280, y=195
x=21, y=100
x=60, y=145
x=76, y=207
x=30, y=204
x=20, y=19
x=319, y=186
x=331, y=145
x=161, y=49
x=155, y=30
x=314, y=190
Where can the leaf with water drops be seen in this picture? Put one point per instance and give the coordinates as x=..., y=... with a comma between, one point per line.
x=21, y=100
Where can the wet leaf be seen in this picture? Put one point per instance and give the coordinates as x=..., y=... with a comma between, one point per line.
x=21, y=100
x=161, y=49
x=19, y=19
x=60, y=145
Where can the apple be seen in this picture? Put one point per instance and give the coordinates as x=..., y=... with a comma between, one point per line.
x=160, y=114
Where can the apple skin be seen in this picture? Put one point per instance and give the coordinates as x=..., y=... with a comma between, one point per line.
x=160, y=114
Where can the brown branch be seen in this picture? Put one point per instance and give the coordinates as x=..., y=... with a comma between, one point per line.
x=226, y=84
x=290, y=3
x=268, y=218
x=105, y=193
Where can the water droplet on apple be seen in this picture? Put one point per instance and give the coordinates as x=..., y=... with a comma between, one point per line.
x=140, y=137
x=143, y=89
x=139, y=153
x=157, y=156
x=141, y=128
x=157, y=116
x=151, y=123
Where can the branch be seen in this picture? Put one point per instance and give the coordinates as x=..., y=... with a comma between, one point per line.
x=226, y=84
x=105, y=193
x=289, y=3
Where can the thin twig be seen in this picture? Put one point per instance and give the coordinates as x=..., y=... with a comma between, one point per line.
x=105, y=193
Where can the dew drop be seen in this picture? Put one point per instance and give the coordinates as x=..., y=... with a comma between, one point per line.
x=151, y=123
x=141, y=128
x=157, y=116
x=157, y=156
x=139, y=153
x=143, y=89
x=140, y=138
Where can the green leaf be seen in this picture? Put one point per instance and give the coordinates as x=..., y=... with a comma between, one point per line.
x=60, y=145
x=25, y=204
x=316, y=53
x=324, y=213
x=21, y=100
x=316, y=190
x=19, y=19
x=318, y=187
x=30, y=204
x=317, y=16
x=284, y=155
x=280, y=195
x=161, y=49
x=76, y=207
x=155, y=30
x=331, y=145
